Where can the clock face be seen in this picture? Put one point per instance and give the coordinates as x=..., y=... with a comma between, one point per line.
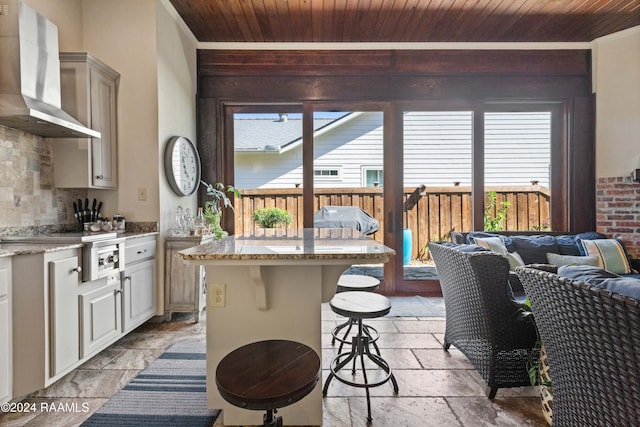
x=182, y=166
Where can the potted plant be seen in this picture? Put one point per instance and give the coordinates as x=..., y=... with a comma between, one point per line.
x=218, y=201
x=271, y=217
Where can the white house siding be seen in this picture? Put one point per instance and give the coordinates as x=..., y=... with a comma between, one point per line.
x=437, y=147
x=517, y=148
x=437, y=151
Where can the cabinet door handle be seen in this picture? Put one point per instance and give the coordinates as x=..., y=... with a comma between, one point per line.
x=99, y=177
x=118, y=291
x=78, y=269
x=127, y=277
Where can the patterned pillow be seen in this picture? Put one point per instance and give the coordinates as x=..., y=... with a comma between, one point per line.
x=610, y=252
x=494, y=244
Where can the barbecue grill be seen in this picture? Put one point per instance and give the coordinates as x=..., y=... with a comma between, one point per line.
x=345, y=217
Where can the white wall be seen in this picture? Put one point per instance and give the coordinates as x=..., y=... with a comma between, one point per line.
x=176, y=100
x=67, y=15
x=122, y=33
x=616, y=69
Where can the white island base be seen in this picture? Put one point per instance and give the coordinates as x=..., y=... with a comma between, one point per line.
x=293, y=296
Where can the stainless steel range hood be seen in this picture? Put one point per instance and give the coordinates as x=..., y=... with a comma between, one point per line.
x=30, y=75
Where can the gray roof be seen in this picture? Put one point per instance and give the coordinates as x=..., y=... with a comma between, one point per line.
x=261, y=134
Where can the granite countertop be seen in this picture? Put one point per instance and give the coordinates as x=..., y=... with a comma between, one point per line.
x=10, y=249
x=34, y=244
x=291, y=244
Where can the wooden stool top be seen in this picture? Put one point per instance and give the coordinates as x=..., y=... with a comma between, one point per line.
x=357, y=282
x=268, y=374
x=360, y=305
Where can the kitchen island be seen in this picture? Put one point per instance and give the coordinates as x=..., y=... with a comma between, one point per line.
x=270, y=286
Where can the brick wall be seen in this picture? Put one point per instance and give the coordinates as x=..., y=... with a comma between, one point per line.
x=618, y=211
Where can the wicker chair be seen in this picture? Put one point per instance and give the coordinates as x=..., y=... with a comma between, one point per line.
x=592, y=340
x=482, y=320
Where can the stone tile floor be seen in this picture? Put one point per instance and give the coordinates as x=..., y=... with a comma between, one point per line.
x=436, y=388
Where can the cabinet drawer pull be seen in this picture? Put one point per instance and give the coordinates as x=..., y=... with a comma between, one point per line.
x=142, y=251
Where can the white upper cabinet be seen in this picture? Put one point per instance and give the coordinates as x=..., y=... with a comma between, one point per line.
x=89, y=93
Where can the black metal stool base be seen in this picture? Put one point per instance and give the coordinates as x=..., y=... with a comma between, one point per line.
x=360, y=348
x=269, y=420
x=367, y=330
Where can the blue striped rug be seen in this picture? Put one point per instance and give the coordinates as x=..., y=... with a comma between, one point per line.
x=170, y=392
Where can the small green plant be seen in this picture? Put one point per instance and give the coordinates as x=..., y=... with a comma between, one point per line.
x=219, y=199
x=212, y=211
x=271, y=217
x=499, y=221
x=544, y=225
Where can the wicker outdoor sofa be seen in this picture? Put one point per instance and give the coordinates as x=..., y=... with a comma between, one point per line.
x=592, y=340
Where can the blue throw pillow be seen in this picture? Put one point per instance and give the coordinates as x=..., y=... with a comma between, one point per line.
x=626, y=286
x=603, y=279
x=585, y=273
x=533, y=249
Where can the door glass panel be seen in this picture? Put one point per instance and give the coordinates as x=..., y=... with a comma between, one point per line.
x=517, y=170
x=437, y=183
x=267, y=168
x=348, y=172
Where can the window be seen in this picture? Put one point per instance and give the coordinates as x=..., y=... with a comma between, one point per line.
x=327, y=173
x=373, y=177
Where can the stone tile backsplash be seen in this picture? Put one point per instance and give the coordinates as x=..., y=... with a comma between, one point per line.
x=28, y=199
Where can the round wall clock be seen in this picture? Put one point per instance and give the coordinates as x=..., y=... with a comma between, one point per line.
x=182, y=165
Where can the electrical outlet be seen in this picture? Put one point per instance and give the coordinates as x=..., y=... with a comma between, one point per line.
x=142, y=194
x=218, y=295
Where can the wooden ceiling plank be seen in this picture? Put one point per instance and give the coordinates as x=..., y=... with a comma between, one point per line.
x=377, y=18
x=472, y=17
x=420, y=29
x=515, y=25
x=624, y=10
x=328, y=21
x=406, y=20
x=454, y=18
x=277, y=15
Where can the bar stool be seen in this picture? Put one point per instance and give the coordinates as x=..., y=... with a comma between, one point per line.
x=268, y=375
x=360, y=305
x=350, y=283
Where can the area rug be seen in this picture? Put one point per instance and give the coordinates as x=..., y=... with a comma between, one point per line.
x=416, y=306
x=170, y=392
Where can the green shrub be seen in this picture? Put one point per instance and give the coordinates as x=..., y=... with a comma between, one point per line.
x=499, y=221
x=271, y=217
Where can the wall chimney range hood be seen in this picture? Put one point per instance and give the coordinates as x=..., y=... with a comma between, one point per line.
x=30, y=75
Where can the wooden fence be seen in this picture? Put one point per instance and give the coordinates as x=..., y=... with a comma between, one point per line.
x=439, y=210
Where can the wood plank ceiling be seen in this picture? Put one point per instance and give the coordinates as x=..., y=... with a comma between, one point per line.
x=406, y=20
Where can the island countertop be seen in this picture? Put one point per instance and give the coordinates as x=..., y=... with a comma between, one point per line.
x=311, y=244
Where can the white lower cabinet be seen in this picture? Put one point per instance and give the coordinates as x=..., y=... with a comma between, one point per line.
x=139, y=282
x=63, y=290
x=100, y=313
x=6, y=345
x=45, y=318
x=139, y=297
